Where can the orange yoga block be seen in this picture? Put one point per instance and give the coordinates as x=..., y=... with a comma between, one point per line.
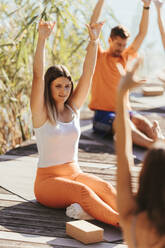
x=153, y=91
x=84, y=231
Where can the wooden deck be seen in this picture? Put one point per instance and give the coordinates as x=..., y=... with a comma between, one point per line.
x=28, y=224
x=25, y=224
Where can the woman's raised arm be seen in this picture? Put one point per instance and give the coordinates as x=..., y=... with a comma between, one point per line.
x=81, y=91
x=125, y=199
x=37, y=92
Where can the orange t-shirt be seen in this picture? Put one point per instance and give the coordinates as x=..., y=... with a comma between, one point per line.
x=106, y=79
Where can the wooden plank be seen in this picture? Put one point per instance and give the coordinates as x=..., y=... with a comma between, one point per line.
x=53, y=241
x=6, y=203
x=110, y=174
x=21, y=244
x=11, y=197
x=4, y=191
x=107, y=168
x=18, y=158
x=35, y=230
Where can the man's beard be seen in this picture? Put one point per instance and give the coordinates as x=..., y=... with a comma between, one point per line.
x=117, y=53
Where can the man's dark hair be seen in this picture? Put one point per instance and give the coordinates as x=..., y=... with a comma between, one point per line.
x=119, y=31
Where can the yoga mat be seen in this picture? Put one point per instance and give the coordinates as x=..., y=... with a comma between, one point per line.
x=160, y=111
x=138, y=152
x=111, y=233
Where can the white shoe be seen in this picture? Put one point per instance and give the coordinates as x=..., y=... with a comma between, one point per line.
x=75, y=211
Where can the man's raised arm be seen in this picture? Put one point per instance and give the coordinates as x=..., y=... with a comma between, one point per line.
x=97, y=11
x=143, y=27
x=159, y=5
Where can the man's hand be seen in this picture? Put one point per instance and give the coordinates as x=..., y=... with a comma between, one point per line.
x=158, y=3
x=45, y=28
x=146, y=3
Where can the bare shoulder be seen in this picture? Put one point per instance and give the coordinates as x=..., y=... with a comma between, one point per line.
x=138, y=228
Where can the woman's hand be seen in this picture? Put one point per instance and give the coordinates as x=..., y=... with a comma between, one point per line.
x=45, y=28
x=128, y=80
x=94, y=30
x=158, y=4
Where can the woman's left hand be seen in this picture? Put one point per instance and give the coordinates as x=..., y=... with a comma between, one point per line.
x=94, y=30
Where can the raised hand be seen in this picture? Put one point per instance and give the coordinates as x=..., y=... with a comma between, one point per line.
x=128, y=80
x=45, y=28
x=146, y=2
x=158, y=3
x=94, y=30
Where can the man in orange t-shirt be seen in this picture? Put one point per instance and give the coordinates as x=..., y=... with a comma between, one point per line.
x=106, y=79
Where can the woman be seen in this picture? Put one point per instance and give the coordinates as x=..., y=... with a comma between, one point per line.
x=55, y=113
x=142, y=216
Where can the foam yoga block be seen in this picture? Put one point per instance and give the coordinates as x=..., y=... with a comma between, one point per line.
x=84, y=231
x=153, y=91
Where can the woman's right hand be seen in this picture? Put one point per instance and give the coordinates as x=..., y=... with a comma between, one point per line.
x=94, y=30
x=128, y=81
x=45, y=28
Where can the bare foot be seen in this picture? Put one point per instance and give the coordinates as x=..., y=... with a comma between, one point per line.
x=157, y=133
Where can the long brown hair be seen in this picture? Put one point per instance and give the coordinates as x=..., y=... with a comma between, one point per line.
x=51, y=74
x=151, y=193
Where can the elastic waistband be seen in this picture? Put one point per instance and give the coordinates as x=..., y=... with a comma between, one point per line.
x=61, y=170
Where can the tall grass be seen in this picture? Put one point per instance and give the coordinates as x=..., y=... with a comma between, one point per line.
x=18, y=36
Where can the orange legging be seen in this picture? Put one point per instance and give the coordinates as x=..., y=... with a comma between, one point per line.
x=61, y=185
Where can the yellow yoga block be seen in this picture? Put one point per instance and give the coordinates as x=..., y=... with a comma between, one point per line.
x=153, y=91
x=84, y=231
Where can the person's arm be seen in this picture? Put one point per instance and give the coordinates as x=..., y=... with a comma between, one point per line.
x=82, y=89
x=159, y=5
x=37, y=92
x=97, y=11
x=143, y=27
x=96, y=15
x=125, y=199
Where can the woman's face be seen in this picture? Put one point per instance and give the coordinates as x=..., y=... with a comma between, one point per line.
x=60, y=89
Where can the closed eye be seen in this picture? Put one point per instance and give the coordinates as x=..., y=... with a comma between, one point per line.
x=68, y=86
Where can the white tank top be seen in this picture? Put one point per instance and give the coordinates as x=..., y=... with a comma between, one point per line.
x=58, y=144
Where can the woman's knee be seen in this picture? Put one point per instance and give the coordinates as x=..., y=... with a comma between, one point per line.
x=85, y=193
x=107, y=188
